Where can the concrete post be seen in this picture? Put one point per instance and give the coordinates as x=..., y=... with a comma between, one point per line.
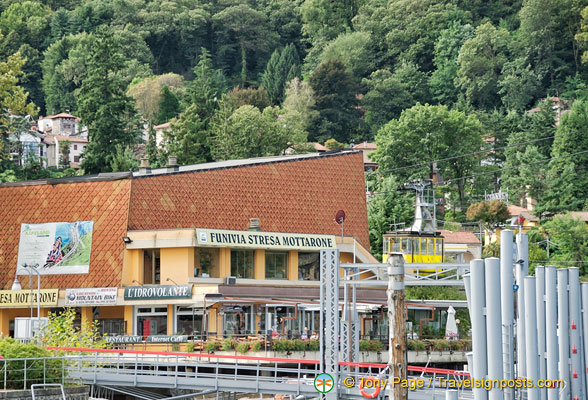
x=522, y=270
x=507, y=306
x=563, y=331
x=531, y=339
x=397, y=323
x=584, y=289
x=551, y=357
x=540, y=308
x=575, y=334
x=478, y=319
x=451, y=395
x=494, y=324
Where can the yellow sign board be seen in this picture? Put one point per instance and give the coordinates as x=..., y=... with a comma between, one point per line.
x=22, y=298
x=264, y=240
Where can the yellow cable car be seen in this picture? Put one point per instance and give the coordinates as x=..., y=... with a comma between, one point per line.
x=422, y=248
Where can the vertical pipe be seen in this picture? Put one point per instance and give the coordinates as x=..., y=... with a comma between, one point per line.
x=467, y=282
x=584, y=289
x=531, y=339
x=507, y=305
x=494, y=324
x=478, y=302
x=575, y=333
x=540, y=308
x=522, y=271
x=551, y=328
x=563, y=330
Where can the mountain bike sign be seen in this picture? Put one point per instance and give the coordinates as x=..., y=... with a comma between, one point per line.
x=56, y=248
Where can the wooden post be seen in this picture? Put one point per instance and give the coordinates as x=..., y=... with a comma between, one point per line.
x=397, y=325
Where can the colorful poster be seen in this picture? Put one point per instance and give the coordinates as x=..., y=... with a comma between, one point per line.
x=90, y=296
x=56, y=248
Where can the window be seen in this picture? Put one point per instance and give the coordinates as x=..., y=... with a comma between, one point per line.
x=276, y=265
x=111, y=326
x=188, y=321
x=76, y=158
x=75, y=146
x=242, y=263
x=238, y=320
x=151, y=321
x=309, y=266
x=151, y=266
x=206, y=263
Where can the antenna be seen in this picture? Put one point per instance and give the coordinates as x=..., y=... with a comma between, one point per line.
x=339, y=218
x=424, y=211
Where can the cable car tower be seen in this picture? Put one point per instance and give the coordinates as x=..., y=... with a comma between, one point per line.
x=421, y=243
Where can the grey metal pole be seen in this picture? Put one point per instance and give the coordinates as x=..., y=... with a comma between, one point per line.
x=531, y=339
x=451, y=395
x=494, y=324
x=563, y=330
x=507, y=305
x=522, y=270
x=575, y=333
x=551, y=357
x=478, y=320
x=397, y=324
x=540, y=308
x=584, y=289
x=467, y=282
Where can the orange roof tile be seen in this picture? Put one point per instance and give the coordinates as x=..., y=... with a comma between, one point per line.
x=67, y=202
x=459, y=237
x=50, y=139
x=288, y=195
x=60, y=115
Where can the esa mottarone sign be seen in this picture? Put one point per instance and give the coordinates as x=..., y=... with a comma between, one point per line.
x=22, y=298
x=158, y=292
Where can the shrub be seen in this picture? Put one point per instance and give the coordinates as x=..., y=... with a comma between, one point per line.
x=62, y=332
x=440, y=344
x=211, y=346
x=370, y=345
x=420, y=345
x=190, y=347
x=51, y=372
x=283, y=345
x=228, y=344
x=456, y=345
x=299, y=345
x=175, y=347
x=313, y=345
x=256, y=345
x=242, y=347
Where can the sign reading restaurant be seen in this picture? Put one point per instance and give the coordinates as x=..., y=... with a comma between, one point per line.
x=156, y=292
x=22, y=298
x=264, y=240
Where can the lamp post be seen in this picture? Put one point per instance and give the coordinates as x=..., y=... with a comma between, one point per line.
x=16, y=286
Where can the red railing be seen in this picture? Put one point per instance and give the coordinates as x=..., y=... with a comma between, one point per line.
x=411, y=368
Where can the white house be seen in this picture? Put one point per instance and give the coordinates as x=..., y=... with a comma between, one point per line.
x=60, y=128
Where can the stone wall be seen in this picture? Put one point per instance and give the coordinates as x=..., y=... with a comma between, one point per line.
x=53, y=393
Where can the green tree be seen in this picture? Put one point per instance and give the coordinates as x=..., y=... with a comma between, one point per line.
x=387, y=206
x=59, y=24
x=24, y=22
x=519, y=84
x=353, y=49
x=61, y=331
x=147, y=93
x=480, y=63
x=151, y=149
x=335, y=92
x=299, y=103
x=238, y=97
x=169, y=105
x=426, y=134
x=282, y=67
x=571, y=240
x=123, y=159
x=188, y=139
x=446, y=53
x=490, y=213
x=247, y=132
x=332, y=144
x=244, y=40
x=103, y=105
x=566, y=179
x=64, y=150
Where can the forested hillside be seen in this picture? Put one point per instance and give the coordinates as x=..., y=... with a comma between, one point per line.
x=438, y=85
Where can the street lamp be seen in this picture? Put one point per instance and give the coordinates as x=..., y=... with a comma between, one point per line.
x=17, y=286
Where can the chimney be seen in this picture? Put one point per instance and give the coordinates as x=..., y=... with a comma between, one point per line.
x=144, y=168
x=172, y=164
x=254, y=224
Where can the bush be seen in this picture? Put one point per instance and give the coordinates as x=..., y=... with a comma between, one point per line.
x=440, y=344
x=256, y=345
x=228, y=344
x=211, y=346
x=36, y=372
x=190, y=347
x=456, y=345
x=416, y=345
x=370, y=345
x=175, y=347
x=283, y=345
x=62, y=332
x=313, y=345
x=242, y=347
x=299, y=345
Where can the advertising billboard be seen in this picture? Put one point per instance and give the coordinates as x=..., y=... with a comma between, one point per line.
x=56, y=248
